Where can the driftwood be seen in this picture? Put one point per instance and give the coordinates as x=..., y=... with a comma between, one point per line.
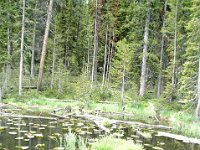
x=26, y=116
x=179, y=137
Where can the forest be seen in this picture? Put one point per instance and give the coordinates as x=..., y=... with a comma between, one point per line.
x=100, y=74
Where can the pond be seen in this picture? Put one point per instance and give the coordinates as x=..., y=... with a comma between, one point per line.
x=45, y=134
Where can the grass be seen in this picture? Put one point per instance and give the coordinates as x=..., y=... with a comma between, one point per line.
x=111, y=143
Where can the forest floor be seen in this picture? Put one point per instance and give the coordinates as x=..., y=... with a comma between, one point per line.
x=181, y=121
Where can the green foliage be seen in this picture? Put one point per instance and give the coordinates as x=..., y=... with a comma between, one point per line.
x=98, y=94
x=111, y=143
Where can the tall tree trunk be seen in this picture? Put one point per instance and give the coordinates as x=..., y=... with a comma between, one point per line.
x=105, y=57
x=161, y=53
x=94, y=61
x=123, y=82
x=33, y=47
x=44, y=47
x=144, y=58
x=198, y=92
x=53, y=62
x=88, y=58
x=111, y=55
x=59, y=78
x=174, y=59
x=66, y=61
x=0, y=95
x=21, y=50
x=7, y=76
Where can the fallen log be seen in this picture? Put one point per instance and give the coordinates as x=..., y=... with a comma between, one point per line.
x=101, y=126
x=60, y=100
x=179, y=137
x=26, y=116
x=116, y=113
x=59, y=116
x=112, y=121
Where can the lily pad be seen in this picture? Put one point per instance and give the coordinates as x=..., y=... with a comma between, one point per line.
x=19, y=138
x=157, y=148
x=12, y=133
x=59, y=148
x=39, y=135
x=40, y=146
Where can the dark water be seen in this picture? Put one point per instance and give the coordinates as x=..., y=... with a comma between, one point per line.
x=30, y=131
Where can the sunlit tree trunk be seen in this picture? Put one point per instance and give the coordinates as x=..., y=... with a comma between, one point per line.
x=21, y=50
x=44, y=47
x=144, y=57
x=174, y=59
x=109, y=54
x=105, y=57
x=161, y=53
x=94, y=59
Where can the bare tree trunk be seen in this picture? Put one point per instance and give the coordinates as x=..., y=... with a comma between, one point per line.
x=94, y=61
x=53, y=62
x=0, y=95
x=161, y=54
x=111, y=55
x=33, y=47
x=66, y=53
x=105, y=57
x=88, y=58
x=7, y=76
x=123, y=82
x=21, y=50
x=144, y=58
x=198, y=92
x=174, y=60
x=44, y=47
x=59, y=78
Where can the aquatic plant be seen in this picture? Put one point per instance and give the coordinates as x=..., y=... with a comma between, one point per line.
x=73, y=142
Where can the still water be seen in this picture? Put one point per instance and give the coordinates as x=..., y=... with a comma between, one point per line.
x=43, y=134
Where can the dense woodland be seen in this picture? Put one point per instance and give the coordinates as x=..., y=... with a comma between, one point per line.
x=116, y=49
